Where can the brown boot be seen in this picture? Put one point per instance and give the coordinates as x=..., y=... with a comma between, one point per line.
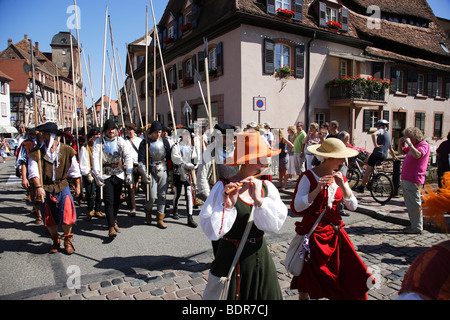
x=56, y=244
x=68, y=246
x=99, y=215
x=116, y=227
x=160, y=223
x=89, y=215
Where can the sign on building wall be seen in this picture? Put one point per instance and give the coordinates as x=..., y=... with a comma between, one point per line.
x=259, y=104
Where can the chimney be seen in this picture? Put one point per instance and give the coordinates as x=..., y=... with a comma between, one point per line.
x=9, y=42
x=36, y=45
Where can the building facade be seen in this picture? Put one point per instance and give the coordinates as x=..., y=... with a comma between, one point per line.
x=343, y=64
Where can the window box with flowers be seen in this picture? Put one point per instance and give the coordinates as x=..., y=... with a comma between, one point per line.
x=188, y=81
x=284, y=72
x=284, y=13
x=212, y=73
x=187, y=27
x=169, y=40
x=334, y=25
x=358, y=88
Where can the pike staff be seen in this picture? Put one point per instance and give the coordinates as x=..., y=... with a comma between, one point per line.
x=146, y=97
x=134, y=85
x=74, y=79
x=124, y=85
x=164, y=73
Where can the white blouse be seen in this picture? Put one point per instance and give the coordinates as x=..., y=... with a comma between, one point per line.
x=269, y=217
x=301, y=198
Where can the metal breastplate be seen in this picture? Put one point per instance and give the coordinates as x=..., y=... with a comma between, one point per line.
x=112, y=160
x=156, y=150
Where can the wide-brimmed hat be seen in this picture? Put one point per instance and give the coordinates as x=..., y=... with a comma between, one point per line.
x=250, y=148
x=109, y=124
x=333, y=148
x=49, y=127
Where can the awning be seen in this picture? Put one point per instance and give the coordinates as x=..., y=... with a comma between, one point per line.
x=8, y=129
x=349, y=56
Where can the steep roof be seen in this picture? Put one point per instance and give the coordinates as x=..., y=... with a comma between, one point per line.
x=14, y=69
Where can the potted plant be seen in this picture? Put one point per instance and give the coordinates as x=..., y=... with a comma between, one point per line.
x=284, y=72
x=284, y=13
x=187, y=27
x=188, y=81
x=334, y=25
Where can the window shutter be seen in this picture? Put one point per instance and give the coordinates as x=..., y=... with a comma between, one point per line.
x=386, y=115
x=269, y=56
x=411, y=85
x=394, y=79
x=195, y=14
x=201, y=64
x=174, y=85
x=299, y=71
x=447, y=87
x=322, y=14
x=219, y=58
x=164, y=37
x=270, y=6
x=344, y=20
x=180, y=74
x=298, y=9
x=180, y=25
x=367, y=123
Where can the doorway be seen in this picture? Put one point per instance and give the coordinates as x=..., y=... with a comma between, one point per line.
x=398, y=125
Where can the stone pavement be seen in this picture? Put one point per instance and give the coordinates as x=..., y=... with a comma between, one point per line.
x=378, y=239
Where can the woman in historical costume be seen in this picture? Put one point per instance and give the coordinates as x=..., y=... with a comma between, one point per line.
x=224, y=218
x=333, y=269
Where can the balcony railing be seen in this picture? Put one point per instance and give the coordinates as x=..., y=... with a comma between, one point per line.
x=355, y=91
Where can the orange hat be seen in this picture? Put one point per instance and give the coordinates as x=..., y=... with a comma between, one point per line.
x=250, y=148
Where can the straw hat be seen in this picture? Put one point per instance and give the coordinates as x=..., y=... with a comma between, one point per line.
x=333, y=148
x=250, y=149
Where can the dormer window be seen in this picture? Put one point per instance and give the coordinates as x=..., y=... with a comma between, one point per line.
x=296, y=6
x=332, y=15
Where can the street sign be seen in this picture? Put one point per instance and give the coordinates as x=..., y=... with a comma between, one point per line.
x=259, y=104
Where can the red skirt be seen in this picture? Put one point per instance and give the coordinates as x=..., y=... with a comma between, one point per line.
x=334, y=270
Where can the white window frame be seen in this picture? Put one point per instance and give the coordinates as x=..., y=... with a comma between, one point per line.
x=420, y=84
x=400, y=80
x=343, y=65
x=331, y=14
x=283, y=4
x=212, y=59
x=281, y=56
x=439, y=87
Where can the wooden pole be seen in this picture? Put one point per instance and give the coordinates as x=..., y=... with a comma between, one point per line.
x=155, y=31
x=36, y=113
x=124, y=85
x=80, y=68
x=134, y=85
x=92, y=93
x=74, y=79
x=164, y=73
x=146, y=98
x=110, y=87
x=116, y=75
x=88, y=70
x=101, y=107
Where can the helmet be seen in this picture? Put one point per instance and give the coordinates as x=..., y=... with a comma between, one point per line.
x=382, y=122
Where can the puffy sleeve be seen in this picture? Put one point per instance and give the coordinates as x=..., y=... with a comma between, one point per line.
x=301, y=197
x=350, y=203
x=212, y=214
x=271, y=215
x=85, y=162
x=96, y=156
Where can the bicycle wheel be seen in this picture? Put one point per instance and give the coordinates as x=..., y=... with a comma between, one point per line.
x=382, y=188
x=353, y=176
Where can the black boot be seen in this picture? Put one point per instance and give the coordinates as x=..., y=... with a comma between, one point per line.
x=191, y=223
x=175, y=215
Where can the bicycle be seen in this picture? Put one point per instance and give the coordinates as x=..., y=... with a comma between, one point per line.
x=380, y=185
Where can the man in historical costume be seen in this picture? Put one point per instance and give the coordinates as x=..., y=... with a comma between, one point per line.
x=221, y=148
x=185, y=159
x=21, y=165
x=112, y=165
x=93, y=194
x=134, y=142
x=158, y=155
x=57, y=163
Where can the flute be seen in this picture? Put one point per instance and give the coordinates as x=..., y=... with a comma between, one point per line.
x=241, y=183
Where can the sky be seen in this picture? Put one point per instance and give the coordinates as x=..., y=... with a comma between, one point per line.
x=43, y=19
